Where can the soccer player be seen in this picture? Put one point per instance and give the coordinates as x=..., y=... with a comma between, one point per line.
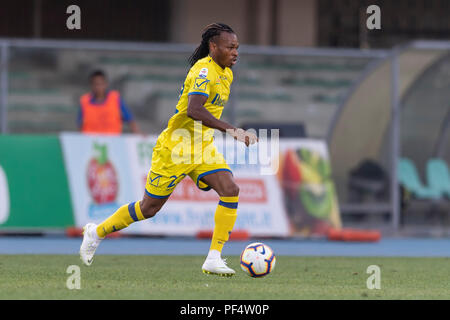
x=201, y=102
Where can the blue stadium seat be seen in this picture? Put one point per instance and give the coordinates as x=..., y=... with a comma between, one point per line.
x=438, y=176
x=409, y=178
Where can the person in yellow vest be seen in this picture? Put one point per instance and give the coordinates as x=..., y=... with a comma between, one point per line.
x=103, y=111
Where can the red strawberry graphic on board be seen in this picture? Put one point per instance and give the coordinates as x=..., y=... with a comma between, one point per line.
x=102, y=177
x=291, y=174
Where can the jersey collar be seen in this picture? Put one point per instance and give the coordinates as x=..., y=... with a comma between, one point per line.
x=218, y=68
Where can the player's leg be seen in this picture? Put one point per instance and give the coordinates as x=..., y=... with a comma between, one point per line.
x=224, y=218
x=122, y=218
x=157, y=191
x=130, y=213
x=226, y=212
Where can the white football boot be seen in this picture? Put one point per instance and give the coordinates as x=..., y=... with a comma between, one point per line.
x=90, y=243
x=218, y=267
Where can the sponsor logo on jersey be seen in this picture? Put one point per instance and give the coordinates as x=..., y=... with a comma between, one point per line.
x=200, y=84
x=218, y=101
x=203, y=73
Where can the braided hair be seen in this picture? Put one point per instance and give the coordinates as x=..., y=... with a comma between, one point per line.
x=209, y=32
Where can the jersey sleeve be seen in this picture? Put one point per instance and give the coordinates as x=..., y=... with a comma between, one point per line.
x=201, y=78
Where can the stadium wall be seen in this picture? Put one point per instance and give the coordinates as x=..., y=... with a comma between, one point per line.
x=264, y=22
x=34, y=192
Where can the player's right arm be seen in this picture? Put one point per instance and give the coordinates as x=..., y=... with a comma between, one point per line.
x=197, y=111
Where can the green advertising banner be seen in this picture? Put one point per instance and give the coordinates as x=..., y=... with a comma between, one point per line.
x=34, y=191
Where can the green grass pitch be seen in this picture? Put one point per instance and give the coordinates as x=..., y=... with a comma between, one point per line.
x=180, y=277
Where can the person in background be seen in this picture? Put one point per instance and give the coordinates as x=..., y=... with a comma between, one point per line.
x=103, y=111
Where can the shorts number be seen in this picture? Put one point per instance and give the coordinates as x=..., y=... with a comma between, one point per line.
x=172, y=183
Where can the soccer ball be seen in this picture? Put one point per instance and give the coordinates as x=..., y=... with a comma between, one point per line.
x=257, y=260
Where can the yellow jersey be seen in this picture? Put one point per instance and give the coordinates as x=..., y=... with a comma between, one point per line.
x=185, y=147
x=205, y=78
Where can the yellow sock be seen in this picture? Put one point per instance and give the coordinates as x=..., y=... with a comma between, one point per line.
x=224, y=220
x=122, y=218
